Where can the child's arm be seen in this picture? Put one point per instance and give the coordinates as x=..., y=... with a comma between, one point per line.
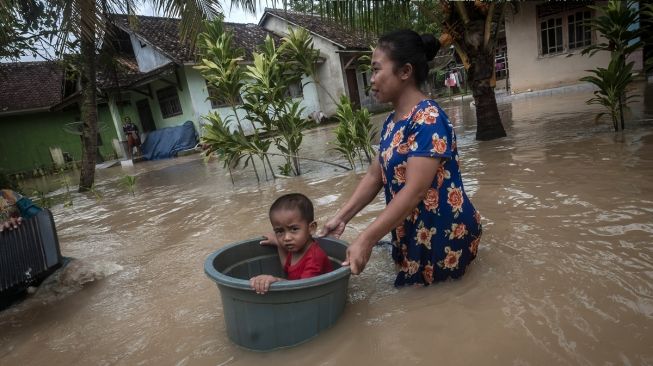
x=261, y=283
x=271, y=239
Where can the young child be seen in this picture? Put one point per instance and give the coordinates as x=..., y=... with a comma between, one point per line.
x=291, y=217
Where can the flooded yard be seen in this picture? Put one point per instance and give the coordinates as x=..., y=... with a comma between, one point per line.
x=564, y=274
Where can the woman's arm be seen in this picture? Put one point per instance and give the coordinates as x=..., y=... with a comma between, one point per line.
x=420, y=172
x=364, y=193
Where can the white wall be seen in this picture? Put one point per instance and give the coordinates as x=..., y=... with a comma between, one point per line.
x=202, y=105
x=529, y=70
x=329, y=73
x=147, y=57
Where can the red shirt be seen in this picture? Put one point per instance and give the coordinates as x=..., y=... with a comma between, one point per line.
x=314, y=263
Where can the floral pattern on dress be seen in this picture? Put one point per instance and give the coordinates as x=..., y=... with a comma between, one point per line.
x=440, y=237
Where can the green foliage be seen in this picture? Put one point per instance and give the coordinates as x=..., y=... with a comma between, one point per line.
x=96, y=193
x=266, y=102
x=129, y=182
x=376, y=16
x=64, y=180
x=612, y=83
x=354, y=133
x=23, y=24
x=42, y=198
x=619, y=25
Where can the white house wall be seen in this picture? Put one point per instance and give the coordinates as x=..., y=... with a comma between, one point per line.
x=147, y=57
x=329, y=73
x=529, y=70
x=202, y=105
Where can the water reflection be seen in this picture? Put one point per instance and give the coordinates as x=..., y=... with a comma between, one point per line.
x=564, y=275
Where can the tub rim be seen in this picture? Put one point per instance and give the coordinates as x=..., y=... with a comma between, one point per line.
x=236, y=283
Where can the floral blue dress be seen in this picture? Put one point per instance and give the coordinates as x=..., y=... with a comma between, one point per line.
x=441, y=236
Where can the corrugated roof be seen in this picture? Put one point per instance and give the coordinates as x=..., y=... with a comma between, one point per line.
x=328, y=29
x=30, y=85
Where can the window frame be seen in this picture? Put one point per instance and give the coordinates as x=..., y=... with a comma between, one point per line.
x=565, y=29
x=169, y=101
x=213, y=100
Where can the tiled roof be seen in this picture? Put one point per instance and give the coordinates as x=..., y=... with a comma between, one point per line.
x=328, y=29
x=163, y=33
x=30, y=85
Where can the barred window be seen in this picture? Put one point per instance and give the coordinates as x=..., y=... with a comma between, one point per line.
x=551, y=35
x=216, y=100
x=169, y=102
x=580, y=33
x=563, y=26
x=295, y=90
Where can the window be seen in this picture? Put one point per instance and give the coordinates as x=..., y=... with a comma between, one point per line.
x=295, y=90
x=562, y=26
x=169, y=102
x=551, y=35
x=501, y=60
x=214, y=97
x=366, y=84
x=580, y=34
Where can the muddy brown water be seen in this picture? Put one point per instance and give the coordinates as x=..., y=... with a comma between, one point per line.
x=564, y=275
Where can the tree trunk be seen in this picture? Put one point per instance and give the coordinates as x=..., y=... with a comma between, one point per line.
x=88, y=106
x=488, y=120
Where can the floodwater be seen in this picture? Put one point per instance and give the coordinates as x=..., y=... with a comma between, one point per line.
x=564, y=274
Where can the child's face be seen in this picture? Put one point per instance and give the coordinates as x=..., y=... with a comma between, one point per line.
x=292, y=231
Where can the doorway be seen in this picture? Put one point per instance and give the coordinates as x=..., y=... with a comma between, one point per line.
x=145, y=115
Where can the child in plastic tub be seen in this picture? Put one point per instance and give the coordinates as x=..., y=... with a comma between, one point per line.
x=292, y=220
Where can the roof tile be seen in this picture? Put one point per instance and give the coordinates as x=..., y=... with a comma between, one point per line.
x=30, y=85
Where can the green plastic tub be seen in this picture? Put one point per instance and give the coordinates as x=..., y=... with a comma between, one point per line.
x=291, y=312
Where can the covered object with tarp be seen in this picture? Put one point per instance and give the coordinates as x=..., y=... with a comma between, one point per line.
x=167, y=142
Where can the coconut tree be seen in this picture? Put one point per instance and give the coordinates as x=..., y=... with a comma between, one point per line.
x=81, y=27
x=471, y=26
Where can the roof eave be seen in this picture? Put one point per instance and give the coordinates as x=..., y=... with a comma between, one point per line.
x=25, y=111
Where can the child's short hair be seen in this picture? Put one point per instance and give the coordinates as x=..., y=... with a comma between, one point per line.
x=294, y=201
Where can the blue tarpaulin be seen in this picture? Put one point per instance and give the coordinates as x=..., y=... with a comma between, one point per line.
x=167, y=142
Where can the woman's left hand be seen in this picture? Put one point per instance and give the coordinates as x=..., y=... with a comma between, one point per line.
x=358, y=254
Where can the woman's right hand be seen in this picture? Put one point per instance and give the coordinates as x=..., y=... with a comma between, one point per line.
x=334, y=228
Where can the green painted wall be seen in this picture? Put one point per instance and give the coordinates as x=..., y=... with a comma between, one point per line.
x=184, y=99
x=26, y=139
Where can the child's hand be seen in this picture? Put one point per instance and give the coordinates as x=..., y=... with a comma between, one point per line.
x=270, y=239
x=261, y=283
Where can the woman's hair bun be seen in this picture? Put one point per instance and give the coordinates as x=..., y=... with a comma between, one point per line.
x=431, y=46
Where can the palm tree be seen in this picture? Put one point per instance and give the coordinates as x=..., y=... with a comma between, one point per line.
x=83, y=23
x=471, y=26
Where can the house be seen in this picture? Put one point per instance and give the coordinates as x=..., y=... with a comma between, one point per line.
x=155, y=82
x=544, y=40
x=39, y=127
x=339, y=47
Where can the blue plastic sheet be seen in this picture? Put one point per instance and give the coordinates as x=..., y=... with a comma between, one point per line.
x=167, y=142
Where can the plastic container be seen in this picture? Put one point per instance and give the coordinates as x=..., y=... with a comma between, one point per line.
x=291, y=312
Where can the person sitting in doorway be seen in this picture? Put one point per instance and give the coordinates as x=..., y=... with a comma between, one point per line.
x=133, y=138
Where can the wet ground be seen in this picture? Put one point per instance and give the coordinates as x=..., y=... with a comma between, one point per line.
x=564, y=274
